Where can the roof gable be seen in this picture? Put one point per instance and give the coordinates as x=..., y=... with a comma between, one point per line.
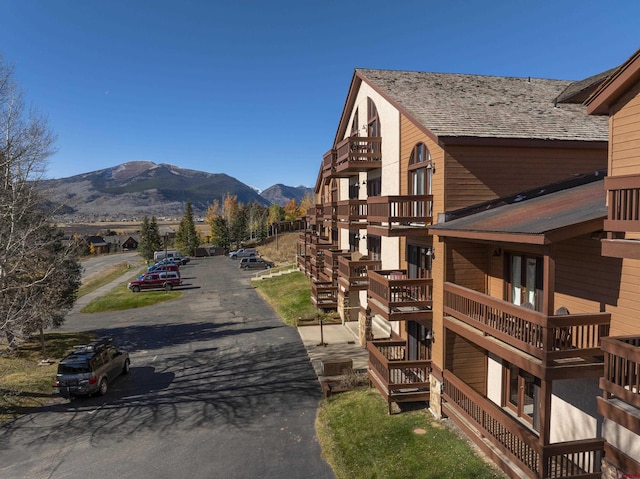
x=627, y=75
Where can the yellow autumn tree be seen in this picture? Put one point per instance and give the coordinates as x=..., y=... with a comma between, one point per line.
x=291, y=210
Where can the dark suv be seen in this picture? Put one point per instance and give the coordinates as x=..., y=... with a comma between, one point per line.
x=255, y=263
x=89, y=369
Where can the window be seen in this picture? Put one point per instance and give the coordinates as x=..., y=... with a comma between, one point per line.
x=354, y=241
x=373, y=128
x=525, y=280
x=374, y=186
x=521, y=393
x=419, y=346
x=354, y=188
x=373, y=121
x=354, y=124
x=421, y=178
x=374, y=247
x=419, y=262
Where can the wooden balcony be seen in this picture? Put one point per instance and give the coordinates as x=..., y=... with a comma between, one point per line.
x=549, y=338
x=331, y=265
x=330, y=211
x=352, y=211
x=501, y=435
x=316, y=215
x=623, y=218
x=623, y=194
x=400, y=209
x=329, y=164
x=396, y=378
x=356, y=154
x=353, y=275
x=621, y=382
x=324, y=295
x=396, y=297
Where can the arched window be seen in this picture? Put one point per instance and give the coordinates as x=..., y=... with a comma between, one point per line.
x=373, y=121
x=354, y=124
x=420, y=178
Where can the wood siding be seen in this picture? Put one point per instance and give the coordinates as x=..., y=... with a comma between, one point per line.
x=483, y=173
x=467, y=361
x=624, y=133
x=410, y=136
x=587, y=282
x=466, y=264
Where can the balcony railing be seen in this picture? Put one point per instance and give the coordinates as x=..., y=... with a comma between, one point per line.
x=546, y=337
x=330, y=211
x=316, y=214
x=353, y=275
x=331, y=257
x=329, y=163
x=324, y=294
x=356, y=154
x=623, y=202
x=579, y=459
x=352, y=210
x=400, y=209
x=396, y=297
x=398, y=379
x=622, y=368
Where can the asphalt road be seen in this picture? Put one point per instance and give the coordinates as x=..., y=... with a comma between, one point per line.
x=219, y=388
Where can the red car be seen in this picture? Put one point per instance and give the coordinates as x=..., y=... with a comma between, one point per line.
x=166, y=280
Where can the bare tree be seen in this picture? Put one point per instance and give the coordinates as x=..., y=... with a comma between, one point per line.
x=39, y=276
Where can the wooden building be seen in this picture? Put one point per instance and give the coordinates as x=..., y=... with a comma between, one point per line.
x=414, y=155
x=619, y=98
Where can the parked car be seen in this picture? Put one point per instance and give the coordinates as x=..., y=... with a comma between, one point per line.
x=166, y=280
x=163, y=267
x=243, y=253
x=255, y=263
x=89, y=369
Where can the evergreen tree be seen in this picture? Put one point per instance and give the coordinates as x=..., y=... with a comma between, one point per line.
x=144, y=248
x=154, y=235
x=187, y=239
x=149, y=238
x=220, y=232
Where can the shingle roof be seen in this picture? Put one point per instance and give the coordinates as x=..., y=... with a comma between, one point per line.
x=457, y=105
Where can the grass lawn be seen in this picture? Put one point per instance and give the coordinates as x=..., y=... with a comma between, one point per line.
x=361, y=441
x=120, y=298
x=109, y=274
x=289, y=295
x=27, y=382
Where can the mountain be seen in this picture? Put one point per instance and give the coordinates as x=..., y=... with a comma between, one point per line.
x=139, y=188
x=280, y=194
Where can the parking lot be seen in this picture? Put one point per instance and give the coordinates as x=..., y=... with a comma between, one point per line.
x=219, y=387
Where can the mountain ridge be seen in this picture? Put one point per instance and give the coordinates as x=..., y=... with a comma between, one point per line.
x=139, y=188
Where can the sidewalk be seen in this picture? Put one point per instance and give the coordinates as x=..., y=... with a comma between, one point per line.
x=340, y=343
x=87, y=298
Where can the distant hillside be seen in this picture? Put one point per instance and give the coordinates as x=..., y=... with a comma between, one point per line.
x=140, y=188
x=280, y=194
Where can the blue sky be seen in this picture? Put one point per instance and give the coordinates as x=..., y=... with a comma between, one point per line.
x=255, y=89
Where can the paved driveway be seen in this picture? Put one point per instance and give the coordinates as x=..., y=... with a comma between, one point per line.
x=219, y=388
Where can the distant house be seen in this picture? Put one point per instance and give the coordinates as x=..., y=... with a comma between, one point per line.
x=130, y=244
x=118, y=243
x=97, y=244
